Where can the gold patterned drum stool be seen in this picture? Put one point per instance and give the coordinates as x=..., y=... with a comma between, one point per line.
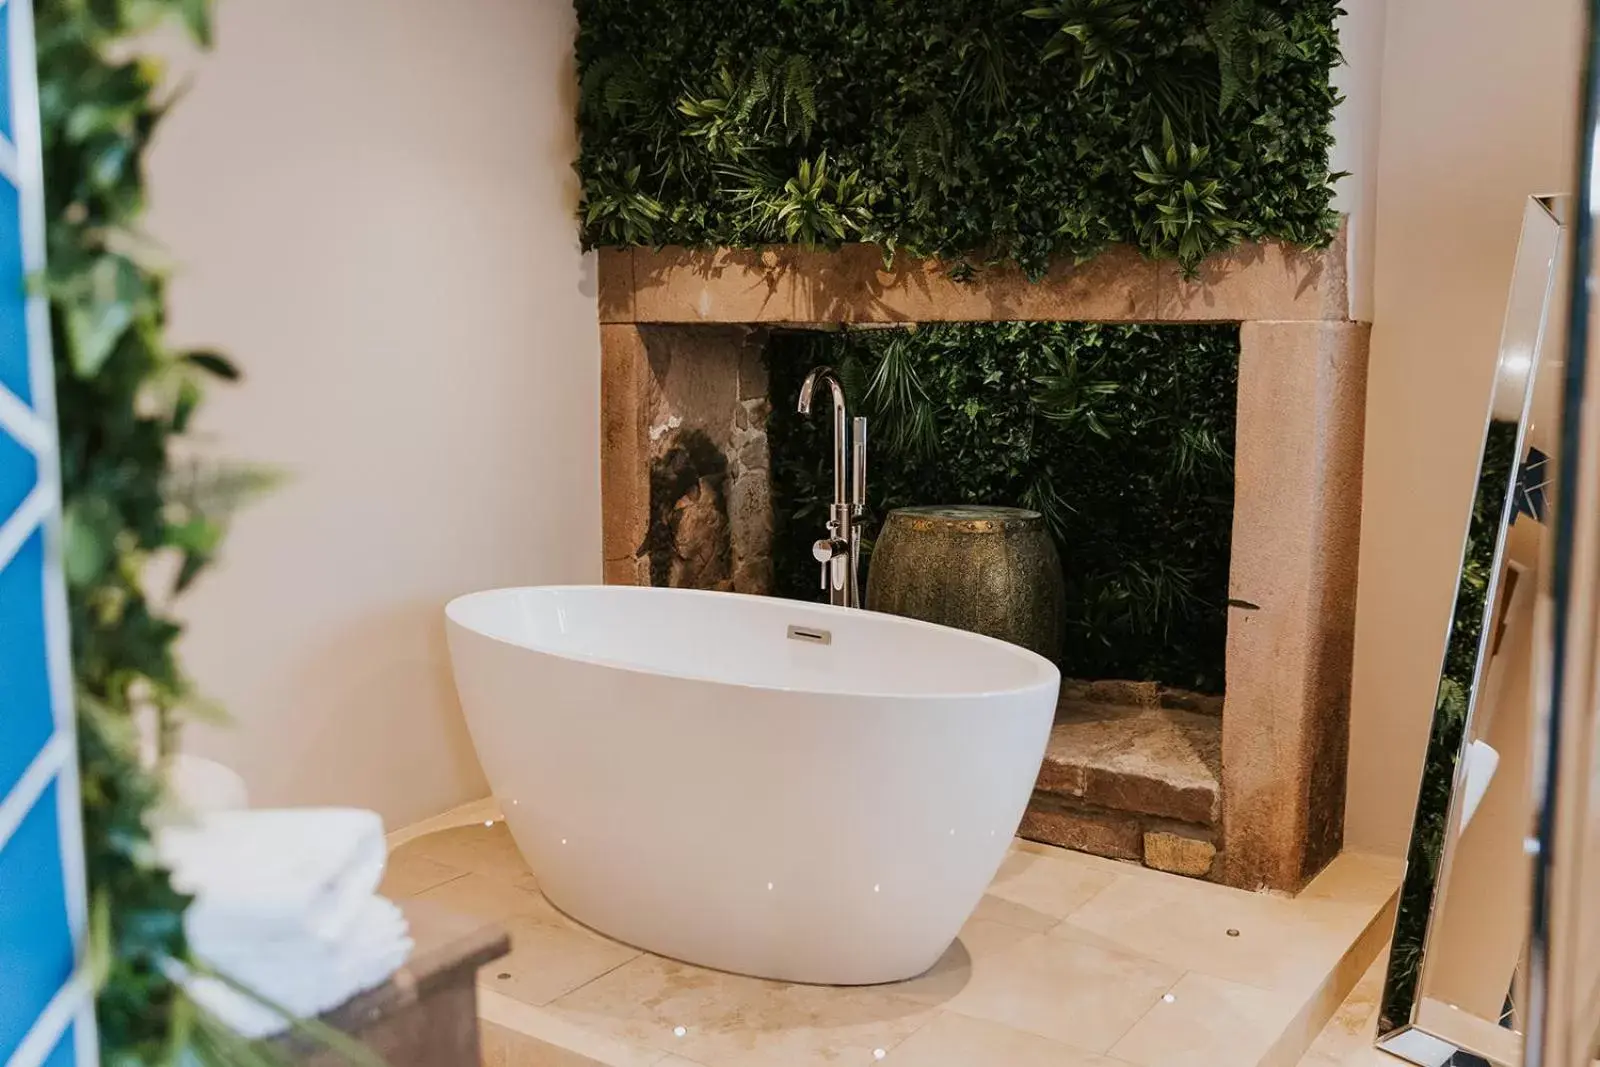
x=990, y=570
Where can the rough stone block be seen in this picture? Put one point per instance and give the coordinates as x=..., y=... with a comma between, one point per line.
x=1153, y=792
x=624, y=447
x=1296, y=522
x=694, y=381
x=1098, y=833
x=1111, y=691
x=614, y=284
x=753, y=578
x=1177, y=854
x=721, y=285
x=1162, y=762
x=1260, y=282
x=624, y=572
x=1061, y=777
x=753, y=385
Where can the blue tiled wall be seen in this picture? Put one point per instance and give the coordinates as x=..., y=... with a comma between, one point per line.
x=44, y=1013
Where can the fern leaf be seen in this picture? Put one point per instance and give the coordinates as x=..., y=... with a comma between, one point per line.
x=799, y=96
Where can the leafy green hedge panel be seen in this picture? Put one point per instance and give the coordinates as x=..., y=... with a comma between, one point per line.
x=1122, y=436
x=973, y=130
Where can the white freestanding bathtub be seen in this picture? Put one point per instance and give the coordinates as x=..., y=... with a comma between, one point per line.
x=778, y=789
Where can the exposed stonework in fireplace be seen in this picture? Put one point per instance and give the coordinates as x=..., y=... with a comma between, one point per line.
x=688, y=545
x=680, y=343
x=709, y=497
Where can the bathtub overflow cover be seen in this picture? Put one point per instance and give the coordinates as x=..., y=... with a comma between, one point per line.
x=806, y=633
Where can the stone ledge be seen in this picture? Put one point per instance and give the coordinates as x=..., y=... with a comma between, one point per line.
x=1119, y=837
x=793, y=285
x=1160, y=762
x=1160, y=844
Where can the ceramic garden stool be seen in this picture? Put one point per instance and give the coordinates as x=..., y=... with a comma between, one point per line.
x=991, y=570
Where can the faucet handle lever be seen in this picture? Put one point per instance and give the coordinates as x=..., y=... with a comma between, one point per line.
x=827, y=549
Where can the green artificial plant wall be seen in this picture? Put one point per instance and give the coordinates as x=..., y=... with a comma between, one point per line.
x=972, y=130
x=1122, y=436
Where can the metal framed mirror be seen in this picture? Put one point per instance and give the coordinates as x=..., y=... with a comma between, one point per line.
x=1451, y=993
x=1563, y=969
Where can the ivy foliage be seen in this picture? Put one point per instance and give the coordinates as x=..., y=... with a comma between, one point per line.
x=123, y=395
x=1457, y=680
x=1121, y=436
x=976, y=131
x=143, y=516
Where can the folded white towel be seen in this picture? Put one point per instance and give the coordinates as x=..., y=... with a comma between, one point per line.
x=284, y=906
x=305, y=978
x=274, y=873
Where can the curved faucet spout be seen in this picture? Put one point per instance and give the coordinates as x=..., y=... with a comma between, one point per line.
x=808, y=391
x=809, y=387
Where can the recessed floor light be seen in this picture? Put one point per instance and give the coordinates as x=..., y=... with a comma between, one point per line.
x=1169, y=998
x=679, y=1031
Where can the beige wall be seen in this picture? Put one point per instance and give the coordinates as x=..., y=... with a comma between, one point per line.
x=370, y=203
x=1355, y=139
x=1478, y=104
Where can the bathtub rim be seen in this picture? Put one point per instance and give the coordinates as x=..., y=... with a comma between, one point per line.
x=1049, y=676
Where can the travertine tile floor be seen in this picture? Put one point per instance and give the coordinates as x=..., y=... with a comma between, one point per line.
x=1070, y=961
x=1347, y=1039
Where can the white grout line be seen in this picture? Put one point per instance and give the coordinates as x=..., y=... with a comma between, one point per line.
x=69, y=834
x=16, y=805
x=21, y=524
x=8, y=161
x=87, y=1038
x=26, y=425
x=45, y=1033
x=476, y=811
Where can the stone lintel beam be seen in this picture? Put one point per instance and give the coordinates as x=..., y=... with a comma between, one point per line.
x=791, y=286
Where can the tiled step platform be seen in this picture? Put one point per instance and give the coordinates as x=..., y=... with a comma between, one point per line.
x=1069, y=961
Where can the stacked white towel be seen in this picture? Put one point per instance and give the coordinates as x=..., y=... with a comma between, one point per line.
x=286, y=906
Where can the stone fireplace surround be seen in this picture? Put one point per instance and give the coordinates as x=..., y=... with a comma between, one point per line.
x=682, y=330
